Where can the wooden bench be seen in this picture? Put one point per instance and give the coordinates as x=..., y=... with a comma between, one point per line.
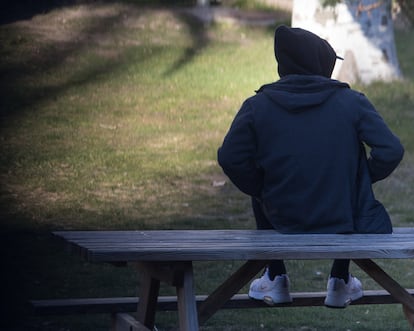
x=168, y=256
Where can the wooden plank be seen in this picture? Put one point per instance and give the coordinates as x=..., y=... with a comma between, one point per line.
x=100, y=242
x=241, y=236
x=403, y=230
x=217, y=252
x=188, y=245
x=252, y=253
x=73, y=306
x=228, y=289
x=169, y=303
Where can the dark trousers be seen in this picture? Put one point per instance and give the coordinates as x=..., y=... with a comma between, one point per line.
x=340, y=267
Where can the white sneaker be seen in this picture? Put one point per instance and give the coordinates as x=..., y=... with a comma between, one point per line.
x=340, y=294
x=271, y=291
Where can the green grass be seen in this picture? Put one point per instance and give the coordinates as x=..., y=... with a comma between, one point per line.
x=111, y=115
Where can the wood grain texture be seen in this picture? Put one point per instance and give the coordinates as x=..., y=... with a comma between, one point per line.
x=204, y=245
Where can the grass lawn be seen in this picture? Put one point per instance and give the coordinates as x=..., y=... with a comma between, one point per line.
x=111, y=115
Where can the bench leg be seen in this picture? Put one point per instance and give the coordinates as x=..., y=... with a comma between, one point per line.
x=396, y=290
x=229, y=288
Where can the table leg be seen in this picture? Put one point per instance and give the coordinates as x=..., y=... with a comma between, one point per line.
x=178, y=274
x=148, y=296
x=187, y=308
x=229, y=288
x=396, y=290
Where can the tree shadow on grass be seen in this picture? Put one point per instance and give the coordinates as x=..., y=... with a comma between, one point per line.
x=199, y=38
x=17, y=95
x=29, y=252
x=25, y=244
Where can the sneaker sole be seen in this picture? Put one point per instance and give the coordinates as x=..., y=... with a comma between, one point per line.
x=334, y=302
x=269, y=299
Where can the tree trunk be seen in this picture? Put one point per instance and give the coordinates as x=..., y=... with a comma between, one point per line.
x=361, y=31
x=203, y=3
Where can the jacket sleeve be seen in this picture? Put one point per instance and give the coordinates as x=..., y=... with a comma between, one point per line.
x=386, y=149
x=237, y=154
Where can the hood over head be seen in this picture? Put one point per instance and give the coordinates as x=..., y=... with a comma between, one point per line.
x=302, y=52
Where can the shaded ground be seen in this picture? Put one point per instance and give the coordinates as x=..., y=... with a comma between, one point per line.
x=15, y=10
x=248, y=17
x=12, y=11
x=24, y=250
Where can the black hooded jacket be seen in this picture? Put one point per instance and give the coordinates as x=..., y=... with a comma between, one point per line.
x=297, y=146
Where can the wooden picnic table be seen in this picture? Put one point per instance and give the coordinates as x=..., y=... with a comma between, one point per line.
x=168, y=256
